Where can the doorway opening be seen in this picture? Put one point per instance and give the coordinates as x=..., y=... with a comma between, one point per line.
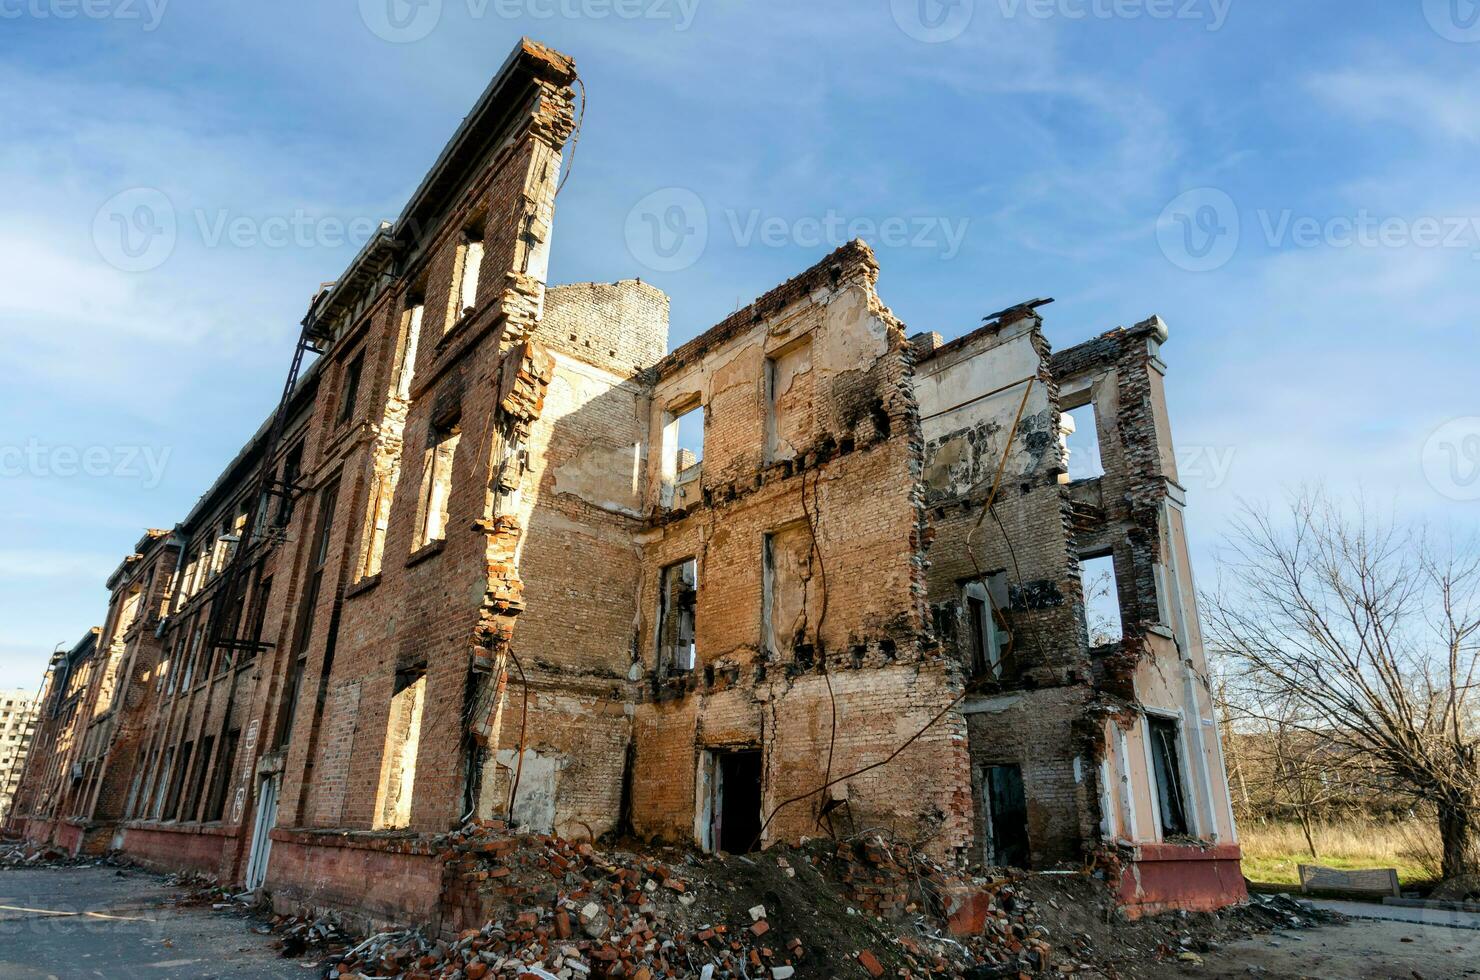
x=1007, y=817
x=736, y=801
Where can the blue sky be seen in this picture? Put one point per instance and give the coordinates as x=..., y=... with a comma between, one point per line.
x=1291, y=186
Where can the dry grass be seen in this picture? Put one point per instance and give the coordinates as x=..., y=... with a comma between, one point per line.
x=1272, y=851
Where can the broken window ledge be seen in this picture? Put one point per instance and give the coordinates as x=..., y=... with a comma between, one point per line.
x=365, y=584
x=426, y=551
x=1160, y=630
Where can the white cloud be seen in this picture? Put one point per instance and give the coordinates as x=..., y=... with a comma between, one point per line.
x=1440, y=105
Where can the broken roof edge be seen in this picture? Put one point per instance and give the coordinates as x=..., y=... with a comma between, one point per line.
x=854, y=259
x=986, y=330
x=1105, y=347
x=633, y=281
x=529, y=62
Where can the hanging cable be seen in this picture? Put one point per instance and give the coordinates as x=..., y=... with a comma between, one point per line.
x=991, y=498
x=523, y=728
x=575, y=138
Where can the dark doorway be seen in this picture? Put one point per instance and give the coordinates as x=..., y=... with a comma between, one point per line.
x=1007, y=817
x=737, y=801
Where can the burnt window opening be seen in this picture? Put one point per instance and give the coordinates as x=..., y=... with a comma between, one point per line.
x=1166, y=760
x=303, y=634
x=436, y=484
x=1081, y=434
x=221, y=783
x=683, y=452
x=986, y=603
x=402, y=741
x=177, y=781
x=349, y=389
x=191, y=805
x=1006, y=811
x=677, y=600
x=292, y=469
x=163, y=778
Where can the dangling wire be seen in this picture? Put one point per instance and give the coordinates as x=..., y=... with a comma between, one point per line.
x=575, y=138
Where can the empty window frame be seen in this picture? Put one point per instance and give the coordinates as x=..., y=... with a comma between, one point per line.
x=288, y=484
x=349, y=388
x=436, y=484
x=1166, y=761
x=378, y=517
x=402, y=740
x=177, y=781
x=221, y=783
x=191, y=805
x=1083, y=441
x=678, y=589
x=410, y=336
x=1101, y=600
x=467, y=263
x=683, y=452
x=163, y=778
x=986, y=603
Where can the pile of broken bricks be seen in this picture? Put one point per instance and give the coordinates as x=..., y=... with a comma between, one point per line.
x=537, y=907
x=571, y=912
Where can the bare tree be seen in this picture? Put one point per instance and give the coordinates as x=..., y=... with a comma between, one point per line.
x=1372, y=633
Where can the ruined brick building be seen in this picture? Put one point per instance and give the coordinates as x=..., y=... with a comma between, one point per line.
x=482, y=562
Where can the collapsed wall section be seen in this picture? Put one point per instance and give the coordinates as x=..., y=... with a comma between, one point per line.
x=1004, y=589
x=783, y=642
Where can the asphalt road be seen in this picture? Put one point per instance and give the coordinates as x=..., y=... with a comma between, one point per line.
x=61, y=923
x=1401, y=913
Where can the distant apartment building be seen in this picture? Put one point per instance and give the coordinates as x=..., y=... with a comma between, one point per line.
x=17, y=728
x=500, y=553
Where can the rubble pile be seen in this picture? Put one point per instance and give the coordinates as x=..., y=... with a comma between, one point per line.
x=538, y=907
x=558, y=908
x=1283, y=912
